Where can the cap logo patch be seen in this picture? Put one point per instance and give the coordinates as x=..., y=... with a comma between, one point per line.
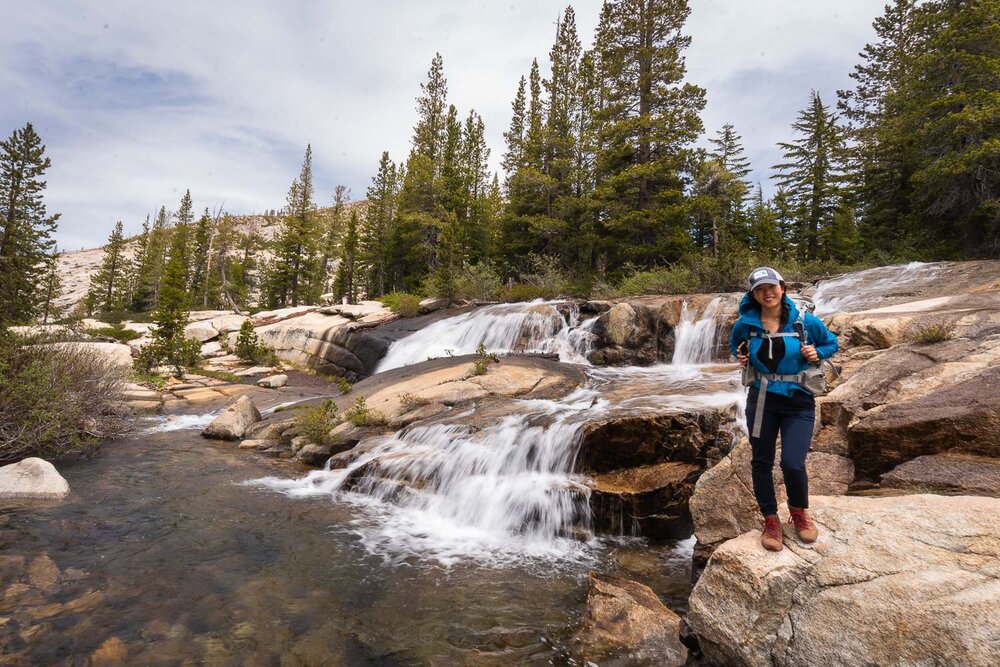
x=759, y=274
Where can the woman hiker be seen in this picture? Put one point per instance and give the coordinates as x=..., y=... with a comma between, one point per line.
x=779, y=343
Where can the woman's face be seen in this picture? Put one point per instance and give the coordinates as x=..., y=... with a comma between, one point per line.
x=767, y=296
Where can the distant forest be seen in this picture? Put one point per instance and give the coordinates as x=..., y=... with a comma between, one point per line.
x=603, y=190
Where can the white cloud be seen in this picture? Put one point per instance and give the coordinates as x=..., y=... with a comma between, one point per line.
x=137, y=101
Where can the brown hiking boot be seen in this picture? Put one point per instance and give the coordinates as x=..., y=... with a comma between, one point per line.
x=770, y=537
x=804, y=525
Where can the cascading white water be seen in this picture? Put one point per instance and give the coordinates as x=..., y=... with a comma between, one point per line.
x=694, y=340
x=871, y=285
x=506, y=490
x=533, y=327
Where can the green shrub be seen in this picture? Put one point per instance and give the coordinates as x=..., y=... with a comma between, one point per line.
x=249, y=347
x=316, y=422
x=933, y=333
x=523, y=292
x=344, y=386
x=479, y=282
x=56, y=401
x=180, y=352
x=359, y=414
x=483, y=360
x=118, y=332
x=402, y=303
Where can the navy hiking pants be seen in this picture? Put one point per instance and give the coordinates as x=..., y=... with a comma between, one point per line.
x=792, y=417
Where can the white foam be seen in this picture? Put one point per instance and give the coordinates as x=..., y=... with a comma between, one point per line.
x=179, y=422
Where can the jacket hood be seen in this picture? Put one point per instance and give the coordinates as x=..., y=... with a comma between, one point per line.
x=749, y=310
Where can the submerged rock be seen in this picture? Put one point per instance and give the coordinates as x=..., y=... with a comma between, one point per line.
x=625, y=624
x=908, y=580
x=32, y=478
x=234, y=421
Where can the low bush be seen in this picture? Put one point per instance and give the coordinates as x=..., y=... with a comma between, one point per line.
x=402, y=303
x=523, y=292
x=118, y=332
x=359, y=414
x=316, y=422
x=933, y=333
x=479, y=282
x=483, y=360
x=409, y=402
x=57, y=401
x=344, y=386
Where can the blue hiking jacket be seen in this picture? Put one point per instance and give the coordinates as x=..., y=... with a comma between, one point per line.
x=793, y=362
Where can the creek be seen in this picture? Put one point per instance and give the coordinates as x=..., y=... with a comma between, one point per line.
x=173, y=548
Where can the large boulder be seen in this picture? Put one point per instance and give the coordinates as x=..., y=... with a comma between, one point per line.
x=32, y=478
x=651, y=498
x=723, y=505
x=201, y=331
x=948, y=473
x=234, y=421
x=625, y=624
x=908, y=580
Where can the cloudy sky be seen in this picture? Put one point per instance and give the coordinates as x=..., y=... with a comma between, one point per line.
x=137, y=100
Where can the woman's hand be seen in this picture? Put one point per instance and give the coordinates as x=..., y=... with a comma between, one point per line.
x=743, y=359
x=809, y=352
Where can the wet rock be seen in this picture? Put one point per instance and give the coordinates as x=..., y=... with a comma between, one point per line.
x=85, y=603
x=273, y=382
x=642, y=439
x=905, y=580
x=32, y=478
x=313, y=454
x=723, y=505
x=259, y=444
x=625, y=623
x=144, y=406
x=232, y=424
x=651, y=500
x=44, y=574
x=268, y=430
x=950, y=473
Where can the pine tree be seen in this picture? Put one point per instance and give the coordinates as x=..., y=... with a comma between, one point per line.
x=763, y=227
x=813, y=172
x=563, y=105
x=648, y=120
x=171, y=314
x=51, y=289
x=150, y=263
x=514, y=157
x=201, y=258
x=296, y=244
x=881, y=158
x=947, y=105
x=345, y=284
x=331, y=231
x=375, y=242
x=108, y=291
x=25, y=226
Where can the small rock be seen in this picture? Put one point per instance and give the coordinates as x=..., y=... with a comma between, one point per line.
x=258, y=444
x=298, y=442
x=201, y=331
x=232, y=424
x=144, y=406
x=257, y=370
x=212, y=349
x=32, y=478
x=112, y=652
x=273, y=382
x=431, y=305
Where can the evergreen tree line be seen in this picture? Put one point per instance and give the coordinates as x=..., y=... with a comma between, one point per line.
x=602, y=179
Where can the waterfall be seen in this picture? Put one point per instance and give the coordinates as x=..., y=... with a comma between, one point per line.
x=537, y=327
x=460, y=491
x=694, y=340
